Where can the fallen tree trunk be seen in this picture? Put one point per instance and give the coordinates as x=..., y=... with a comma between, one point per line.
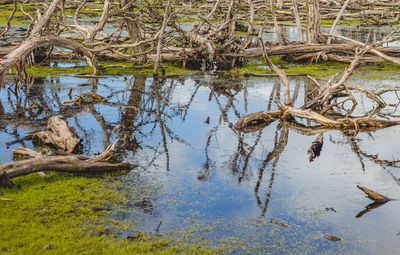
x=70, y=164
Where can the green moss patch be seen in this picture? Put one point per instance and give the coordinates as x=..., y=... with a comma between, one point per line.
x=19, y=18
x=324, y=69
x=62, y=214
x=257, y=65
x=128, y=68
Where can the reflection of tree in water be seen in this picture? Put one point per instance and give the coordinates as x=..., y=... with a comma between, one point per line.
x=239, y=161
x=142, y=108
x=145, y=110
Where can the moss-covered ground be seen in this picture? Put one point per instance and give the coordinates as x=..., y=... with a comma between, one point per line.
x=63, y=214
x=317, y=70
x=19, y=18
x=170, y=68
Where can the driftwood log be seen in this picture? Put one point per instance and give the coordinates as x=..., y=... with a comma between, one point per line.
x=70, y=164
x=59, y=135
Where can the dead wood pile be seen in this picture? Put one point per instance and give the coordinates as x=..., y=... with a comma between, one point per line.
x=155, y=32
x=322, y=101
x=58, y=154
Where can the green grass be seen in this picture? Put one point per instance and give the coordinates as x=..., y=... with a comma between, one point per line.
x=53, y=215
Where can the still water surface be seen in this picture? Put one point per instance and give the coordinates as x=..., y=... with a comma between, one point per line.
x=208, y=183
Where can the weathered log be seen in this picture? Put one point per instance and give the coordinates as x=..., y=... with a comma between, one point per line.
x=58, y=134
x=70, y=164
x=258, y=120
x=255, y=121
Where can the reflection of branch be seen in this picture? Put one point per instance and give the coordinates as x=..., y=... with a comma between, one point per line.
x=383, y=163
x=186, y=107
x=316, y=147
x=205, y=172
x=356, y=149
x=246, y=160
x=369, y=207
x=161, y=122
x=105, y=127
x=275, y=95
x=278, y=148
x=378, y=198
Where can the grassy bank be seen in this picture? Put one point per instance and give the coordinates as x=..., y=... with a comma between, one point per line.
x=63, y=214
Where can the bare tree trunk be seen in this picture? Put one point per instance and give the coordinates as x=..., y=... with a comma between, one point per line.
x=134, y=31
x=251, y=19
x=298, y=21
x=278, y=29
x=160, y=39
x=313, y=21
x=37, y=41
x=332, y=31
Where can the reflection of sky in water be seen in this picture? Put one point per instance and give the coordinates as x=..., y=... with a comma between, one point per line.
x=213, y=204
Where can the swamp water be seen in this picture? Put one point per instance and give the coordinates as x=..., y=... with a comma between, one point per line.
x=206, y=183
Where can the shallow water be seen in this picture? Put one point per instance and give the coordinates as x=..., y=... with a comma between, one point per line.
x=205, y=182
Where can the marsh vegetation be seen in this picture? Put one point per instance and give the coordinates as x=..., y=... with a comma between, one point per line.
x=223, y=126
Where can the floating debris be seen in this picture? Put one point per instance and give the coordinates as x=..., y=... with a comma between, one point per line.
x=279, y=223
x=332, y=238
x=330, y=209
x=374, y=195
